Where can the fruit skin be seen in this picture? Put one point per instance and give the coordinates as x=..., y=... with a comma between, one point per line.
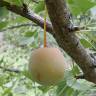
x=46, y=66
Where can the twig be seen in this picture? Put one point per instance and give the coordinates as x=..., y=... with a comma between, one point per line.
x=10, y=70
x=35, y=1
x=18, y=26
x=80, y=77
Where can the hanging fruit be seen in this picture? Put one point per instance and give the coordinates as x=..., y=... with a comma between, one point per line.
x=47, y=66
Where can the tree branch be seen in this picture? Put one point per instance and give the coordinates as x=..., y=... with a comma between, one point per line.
x=59, y=17
x=29, y=15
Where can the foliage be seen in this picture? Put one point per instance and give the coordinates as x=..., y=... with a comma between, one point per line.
x=18, y=43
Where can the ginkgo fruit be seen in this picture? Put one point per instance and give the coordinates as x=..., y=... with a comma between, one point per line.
x=46, y=66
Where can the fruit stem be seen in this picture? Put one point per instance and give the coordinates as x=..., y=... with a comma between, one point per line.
x=45, y=43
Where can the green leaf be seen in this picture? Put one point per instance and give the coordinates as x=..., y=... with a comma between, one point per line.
x=75, y=70
x=10, y=94
x=21, y=20
x=36, y=35
x=70, y=1
x=86, y=43
x=16, y=2
x=80, y=6
x=39, y=7
x=26, y=41
x=29, y=34
x=61, y=88
x=70, y=91
x=44, y=89
x=7, y=91
x=1, y=60
x=27, y=74
x=3, y=11
x=75, y=9
x=64, y=90
x=3, y=24
x=80, y=85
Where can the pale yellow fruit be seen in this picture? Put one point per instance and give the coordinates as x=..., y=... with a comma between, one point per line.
x=46, y=66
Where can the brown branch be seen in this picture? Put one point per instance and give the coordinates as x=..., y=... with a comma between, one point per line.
x=68, y=41
x=29, y=15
